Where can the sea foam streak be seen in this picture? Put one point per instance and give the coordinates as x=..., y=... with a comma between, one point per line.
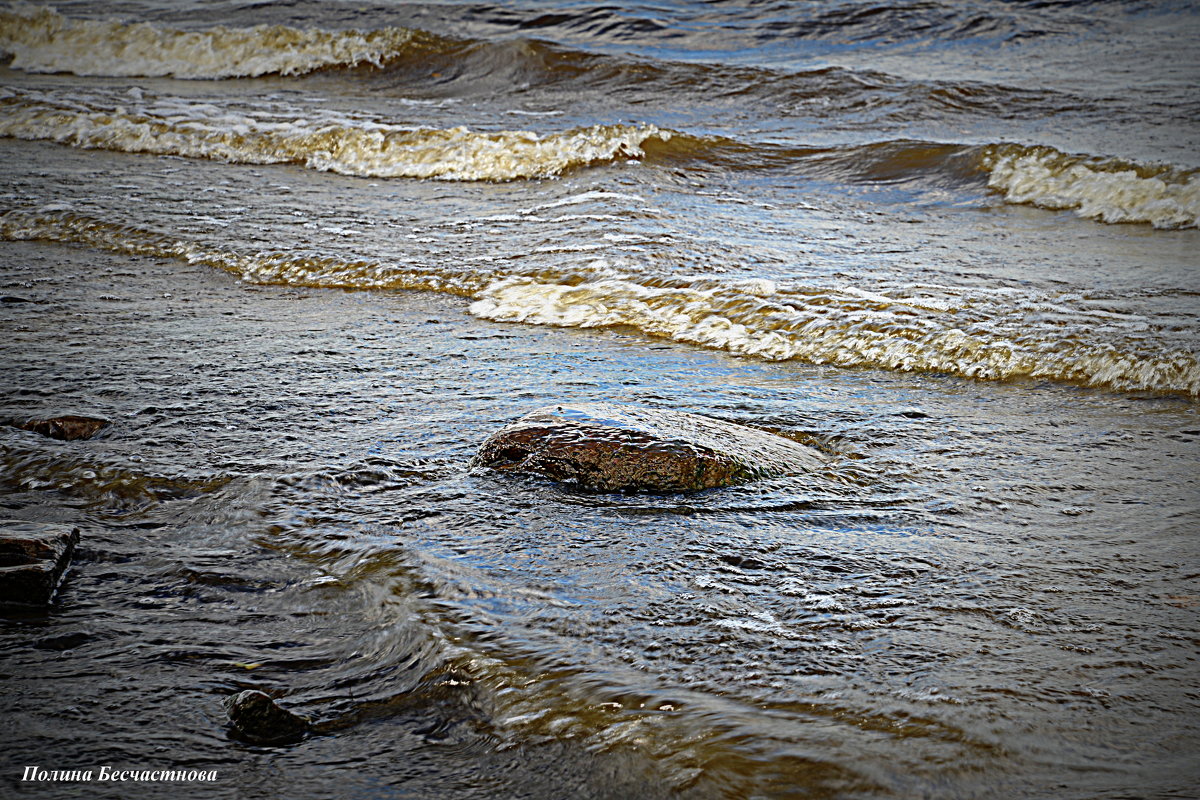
x=282, y=268
x=1104, y=189
x=41, y=40
x=333, y=144
x=991, y=334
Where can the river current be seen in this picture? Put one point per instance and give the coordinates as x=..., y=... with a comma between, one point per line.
x=307, y=256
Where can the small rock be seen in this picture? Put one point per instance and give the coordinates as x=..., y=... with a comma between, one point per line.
x=33, y=557
x=66, y=428
x=257, y=718
x=606, y=447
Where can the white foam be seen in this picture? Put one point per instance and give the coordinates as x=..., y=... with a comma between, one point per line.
x=589, y=196
x=349, y=146
x=41, y=40
x=1106, y=190
x=847, y=328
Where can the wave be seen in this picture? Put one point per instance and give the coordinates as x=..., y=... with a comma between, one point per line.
x=557, y=74
x=921, y=19
x=262, y=267
x=39, y=39
x=730, y=25
x=1104, y=189
x=989, y=334
x=973, y=337
x=1101, y=188
x=334, y=144
x=272, y=134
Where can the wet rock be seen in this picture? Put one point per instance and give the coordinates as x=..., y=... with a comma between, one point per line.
x=67, y=427
x=257, y=718
x=33, y=557
x=606, y=447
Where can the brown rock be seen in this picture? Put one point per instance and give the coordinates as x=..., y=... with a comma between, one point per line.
x=259, y=719
x=606, y=447
x=33, y=557
x=67, y=428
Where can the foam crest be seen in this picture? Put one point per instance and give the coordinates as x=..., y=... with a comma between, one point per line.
x=334, y=144
x=975, y=338
x=1104, y=189
x=41, y=40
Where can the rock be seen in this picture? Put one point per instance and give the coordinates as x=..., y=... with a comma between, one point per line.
x=259, y=719
x=66, y=428
x=33, y=557
x=606, y=447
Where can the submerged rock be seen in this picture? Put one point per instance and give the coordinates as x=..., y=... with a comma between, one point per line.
x=33, y=557
x=257, y=718
x=606, y=447
x=67, y=427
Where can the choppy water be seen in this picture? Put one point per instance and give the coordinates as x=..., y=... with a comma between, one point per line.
x=307, y=256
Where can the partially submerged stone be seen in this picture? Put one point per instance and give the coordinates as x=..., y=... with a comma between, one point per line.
x=607, y=447
x=33, y=558
x=67, y=428
x=259, y=719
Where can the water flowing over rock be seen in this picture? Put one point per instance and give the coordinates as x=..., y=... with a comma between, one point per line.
x=259, y=719
x=33, y=557
x=607, y=447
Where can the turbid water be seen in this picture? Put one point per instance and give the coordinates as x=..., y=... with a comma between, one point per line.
x=306, y=257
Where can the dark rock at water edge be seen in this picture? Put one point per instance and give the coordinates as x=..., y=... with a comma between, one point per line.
x=607, y=447
x=259, y=719
x=67, y=427
x=33, y=558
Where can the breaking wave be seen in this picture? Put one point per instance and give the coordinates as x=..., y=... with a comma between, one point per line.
x=336, y=144
x=990, y=334
x=976, y=336
x=39, y=39
x=1104, y=189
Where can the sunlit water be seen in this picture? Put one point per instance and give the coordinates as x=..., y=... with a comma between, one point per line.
x=305, y=273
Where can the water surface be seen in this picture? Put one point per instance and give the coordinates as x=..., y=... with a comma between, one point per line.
x=307, y=259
